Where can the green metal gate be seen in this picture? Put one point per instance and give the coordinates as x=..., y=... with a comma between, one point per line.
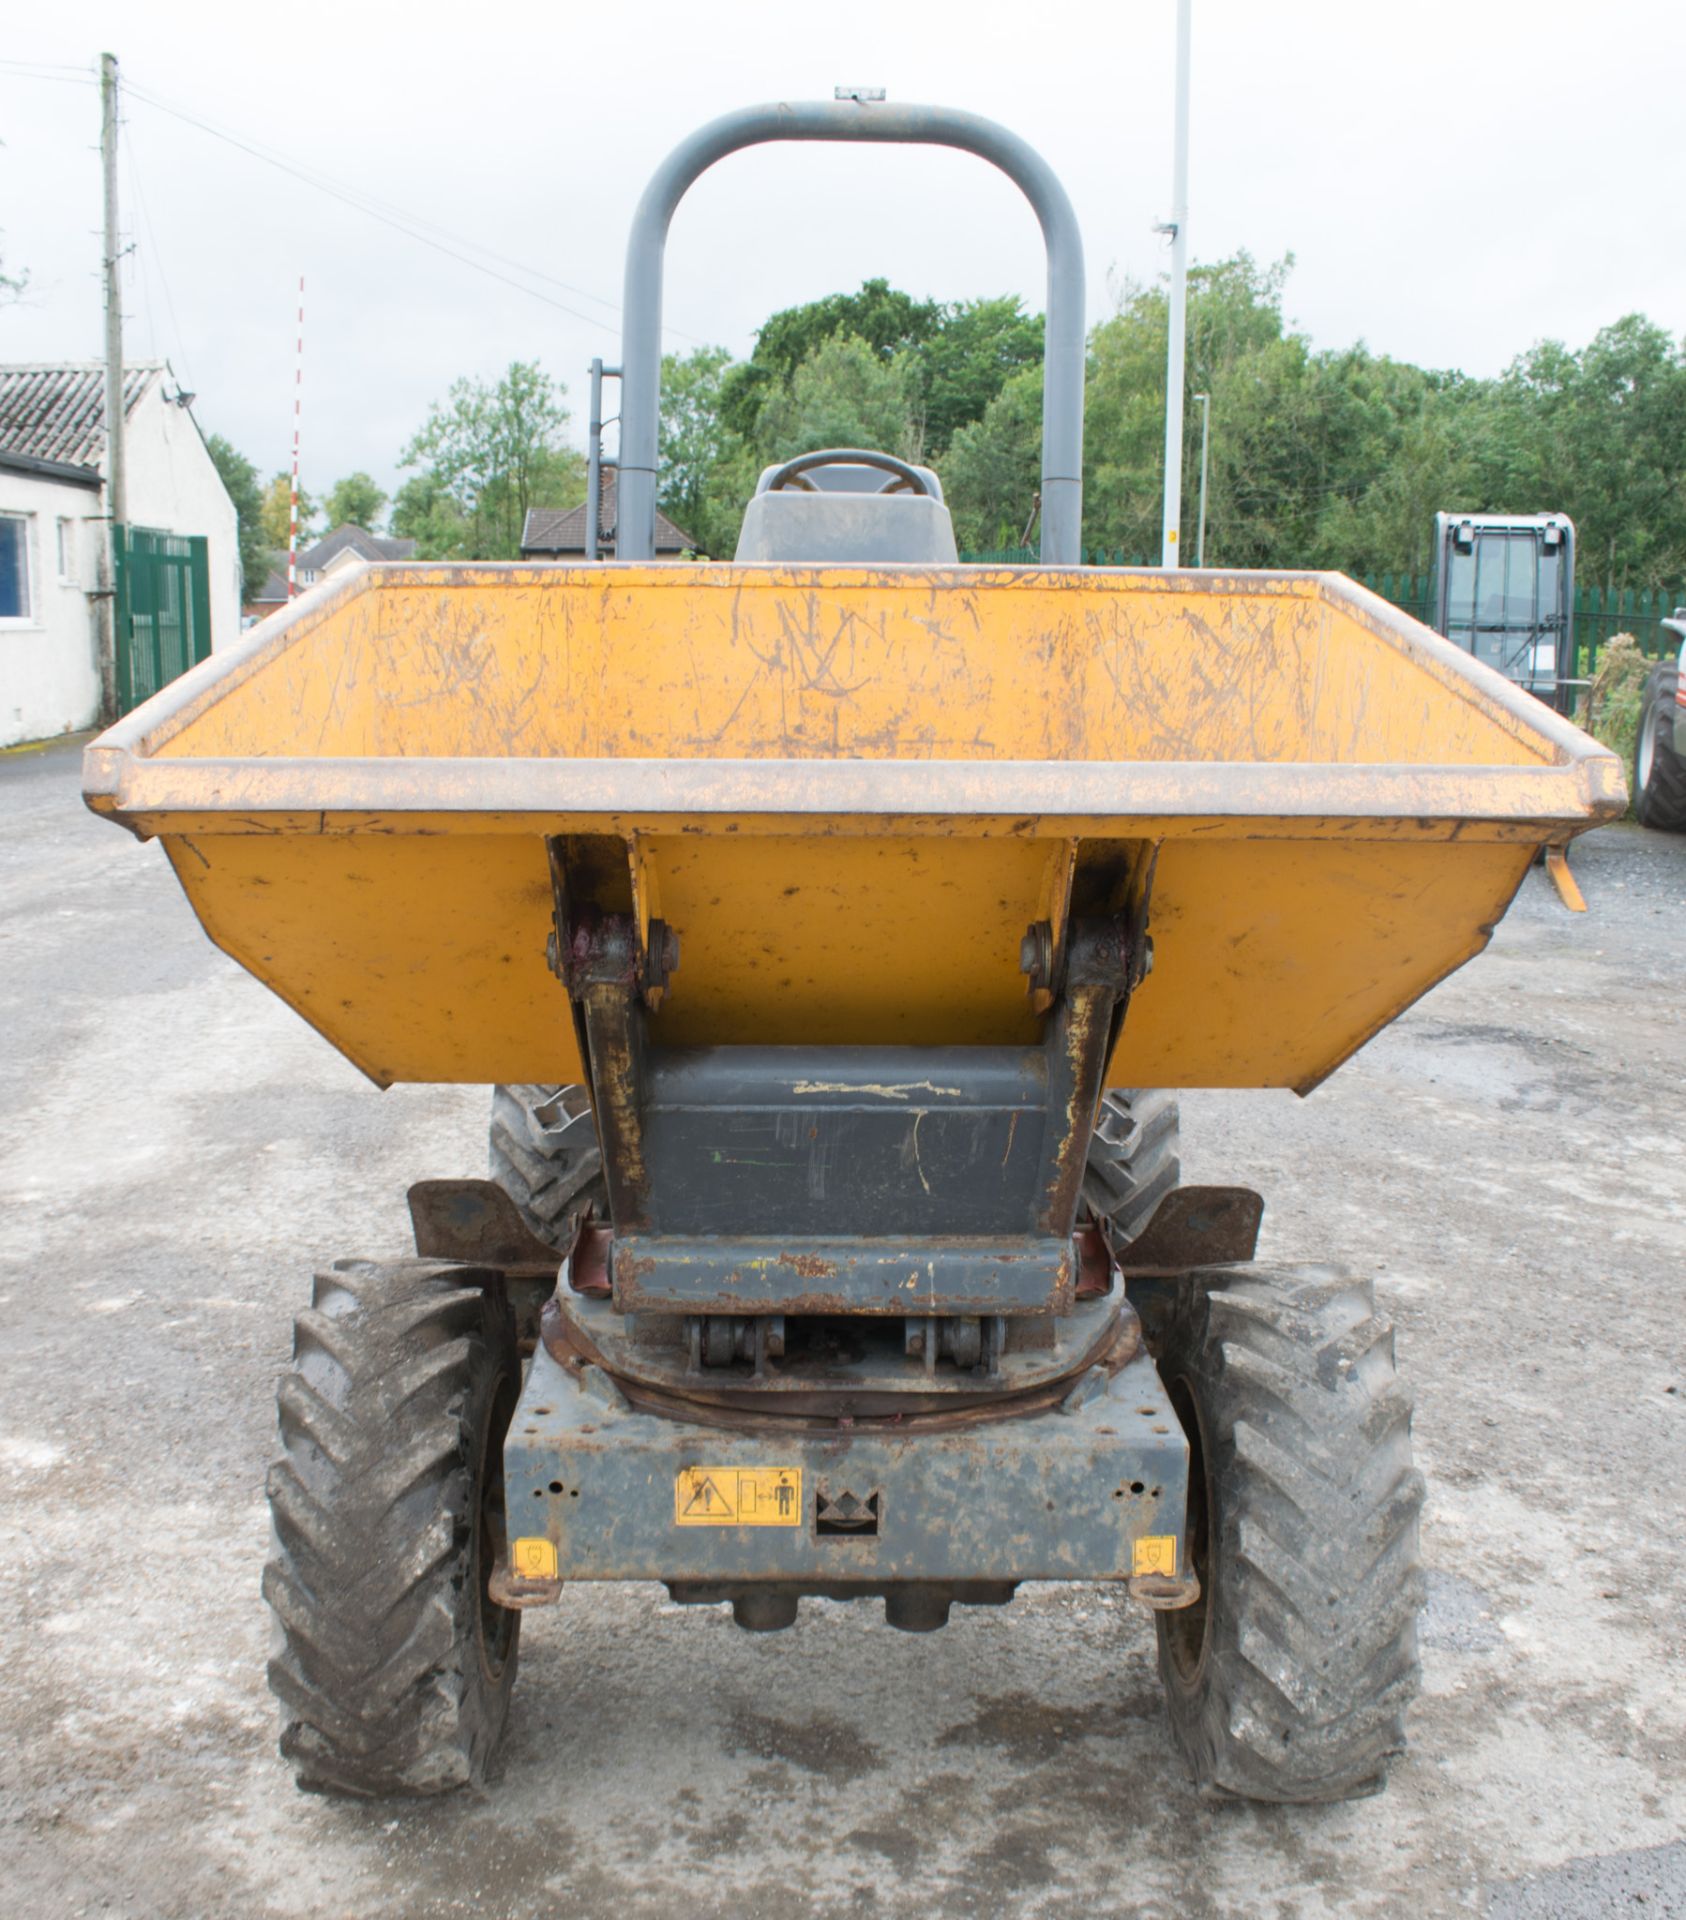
x=163, y=610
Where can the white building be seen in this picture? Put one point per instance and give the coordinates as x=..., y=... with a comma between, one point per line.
x=53, y=528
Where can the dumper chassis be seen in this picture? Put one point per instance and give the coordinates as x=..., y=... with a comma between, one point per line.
x=813, y=916
x=1288, y=1659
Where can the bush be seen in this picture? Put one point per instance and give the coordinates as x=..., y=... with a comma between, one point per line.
x=1609, y=708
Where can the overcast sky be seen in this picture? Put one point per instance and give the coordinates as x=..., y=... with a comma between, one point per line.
x=1454, y=181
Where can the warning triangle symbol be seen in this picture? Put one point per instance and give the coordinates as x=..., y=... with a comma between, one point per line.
x=708, y=1498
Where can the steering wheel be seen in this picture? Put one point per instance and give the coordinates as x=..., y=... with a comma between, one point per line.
x=903, y=478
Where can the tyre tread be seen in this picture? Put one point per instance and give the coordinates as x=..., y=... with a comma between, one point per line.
x=1133, y=1158
x=545, y=1156
x=373, y=1507
x=1661, y=802
x=1311, y=1652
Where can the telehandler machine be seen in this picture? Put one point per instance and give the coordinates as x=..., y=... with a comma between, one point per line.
x=820, y=919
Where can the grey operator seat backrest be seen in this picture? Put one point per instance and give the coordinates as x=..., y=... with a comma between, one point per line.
x=840, y=512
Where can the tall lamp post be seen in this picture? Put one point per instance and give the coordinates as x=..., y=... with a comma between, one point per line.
x=1177, y=228
x=1205, y=400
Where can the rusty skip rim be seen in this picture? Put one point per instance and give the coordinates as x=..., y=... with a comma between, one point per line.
x=1034, y=796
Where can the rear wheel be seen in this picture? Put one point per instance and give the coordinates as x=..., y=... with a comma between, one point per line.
x=545, y=1156
x=393, y=1663
x=1288, y=1680
x=1133, y=1159
x=1659, y=772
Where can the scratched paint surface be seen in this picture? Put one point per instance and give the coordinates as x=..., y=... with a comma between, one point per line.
x=422, y=957
x=728, y=663
x=415, y=940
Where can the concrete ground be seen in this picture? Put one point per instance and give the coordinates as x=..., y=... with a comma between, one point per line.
x=177, y=1150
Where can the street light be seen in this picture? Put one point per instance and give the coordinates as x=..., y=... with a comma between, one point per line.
x=1205, y=400
x=1177, y=228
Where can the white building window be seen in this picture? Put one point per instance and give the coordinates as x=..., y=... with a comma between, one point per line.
x=16, y=603
x=67, y=552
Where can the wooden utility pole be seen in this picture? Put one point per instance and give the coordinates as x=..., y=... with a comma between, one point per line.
x=116, y=483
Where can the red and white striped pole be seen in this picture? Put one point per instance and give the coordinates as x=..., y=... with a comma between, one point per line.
x=298, y=402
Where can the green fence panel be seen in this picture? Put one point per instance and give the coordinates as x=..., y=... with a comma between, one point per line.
x=1603, y=612
x=163, y=610
x=1031, y=556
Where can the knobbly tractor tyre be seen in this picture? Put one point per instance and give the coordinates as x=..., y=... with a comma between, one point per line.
x=545, y=1156
x=1659, y=772
x=1289, y=1678
x=1133, y=1159
x=392, y=1664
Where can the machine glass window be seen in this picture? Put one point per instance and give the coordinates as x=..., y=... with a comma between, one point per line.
x=1551, y=582
x=1548, y=617
x=1522, y=603
x=14, y=566
x=1504, y=591
x=1460, y=591
x=1491, y=551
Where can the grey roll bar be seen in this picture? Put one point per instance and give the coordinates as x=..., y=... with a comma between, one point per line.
x=1062, y=371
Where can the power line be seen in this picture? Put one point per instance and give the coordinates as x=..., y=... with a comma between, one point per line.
x=363, y=200
x=158, y=255
x=68, y=79
x=361, y=206
x=412, y=226
x=143, y=273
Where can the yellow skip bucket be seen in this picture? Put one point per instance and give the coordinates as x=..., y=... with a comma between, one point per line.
x=849, y=791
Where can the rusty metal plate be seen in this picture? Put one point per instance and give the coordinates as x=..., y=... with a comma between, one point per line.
x=477, y=1222
x=1197, y=1227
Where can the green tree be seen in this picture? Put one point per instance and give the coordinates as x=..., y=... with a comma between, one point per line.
x=423, y=510
x=1598, y=434
x=890, y=322
x=1412, y=454
x=275, y=513
x=1124, y=422
x=354, y=501
x=842, y=395
x=493, y=452
x=240, y=481
x=695, y=441
x=958, y=356
x=938, y=369
x=992, y=471
x=1317, y=459
x=968, y=359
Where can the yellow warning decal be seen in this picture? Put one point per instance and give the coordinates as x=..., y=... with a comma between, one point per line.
x=533, y=1559
x=1156, y=1553
x=738, y=1497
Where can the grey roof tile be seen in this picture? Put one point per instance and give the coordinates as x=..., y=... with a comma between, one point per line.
x=58, y=412
x=562, y=529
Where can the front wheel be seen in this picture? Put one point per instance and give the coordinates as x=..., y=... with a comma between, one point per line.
x=1289, y=1678
x=393, y=1663
x=1659, y=771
